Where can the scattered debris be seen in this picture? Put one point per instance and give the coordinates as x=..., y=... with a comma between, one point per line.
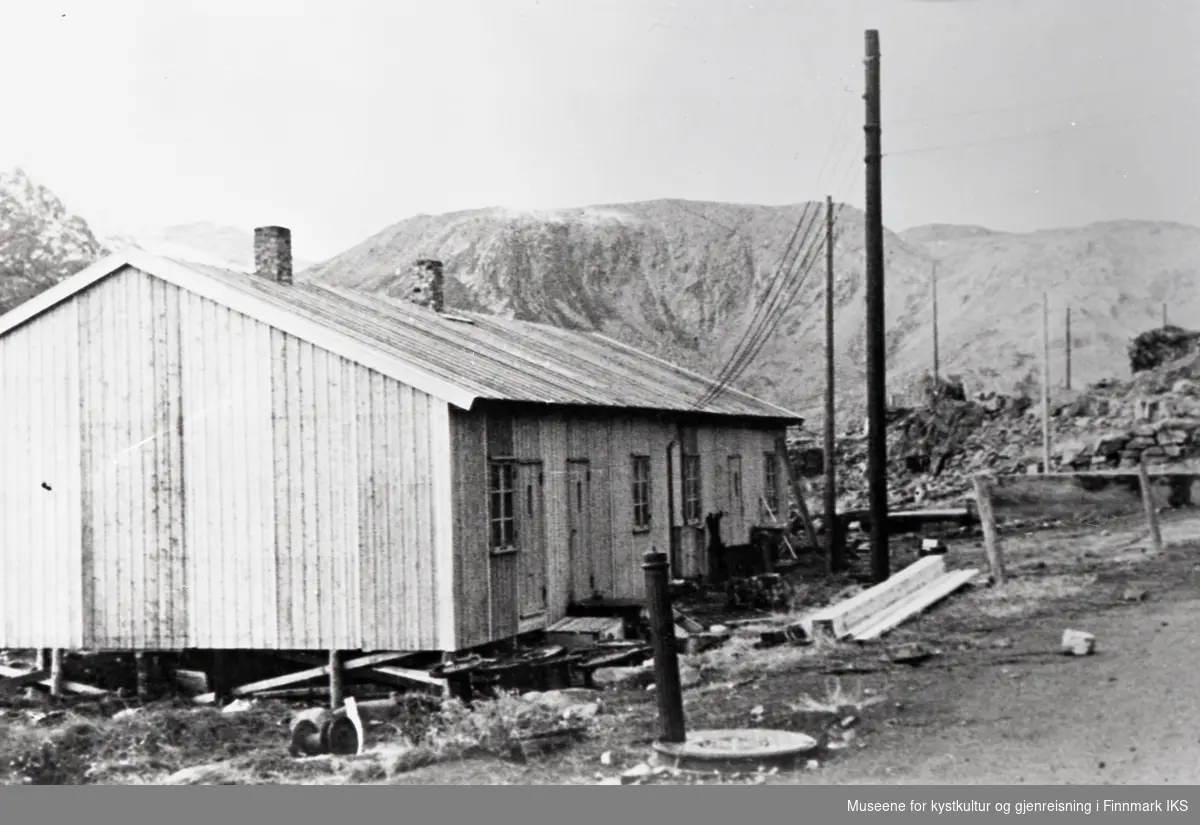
x=636, y=774
x=795, y=634
x=909, y=653
x=1135, y=594
x=1078, y=643
x=606, y=759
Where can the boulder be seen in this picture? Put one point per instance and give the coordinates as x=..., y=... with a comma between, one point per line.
x=1110, y=444
x=618, y=678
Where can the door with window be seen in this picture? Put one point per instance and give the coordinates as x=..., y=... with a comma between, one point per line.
x=531, y=539
x=503, y=536
x=579, y=529
x=735, y=505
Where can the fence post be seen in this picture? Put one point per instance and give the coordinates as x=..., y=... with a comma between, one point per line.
x=1148, y=505
x=666, y=657
x=56, y=672
x=987, y=518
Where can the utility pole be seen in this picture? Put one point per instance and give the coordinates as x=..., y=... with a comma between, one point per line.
x=876, y=344
x=1164, y=315
x=833, y=549
x=1045, y=383
x=1068, y=348
x=936, y=365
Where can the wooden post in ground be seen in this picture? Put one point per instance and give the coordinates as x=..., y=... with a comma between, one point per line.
x=1148, y=505
x=987, y=518
x=666, y=657
x=798, y=492
x=56, y=672
x=336, y=688
x=1045, y=383
x=142, y=665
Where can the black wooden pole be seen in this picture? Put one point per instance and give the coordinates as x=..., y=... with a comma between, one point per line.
x=666, y=659
x=876, y=341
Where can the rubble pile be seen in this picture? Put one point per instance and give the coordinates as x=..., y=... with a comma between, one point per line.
x=936, y=447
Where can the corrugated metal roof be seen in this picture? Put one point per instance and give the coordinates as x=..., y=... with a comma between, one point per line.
x=475, y=357
x=501, y=358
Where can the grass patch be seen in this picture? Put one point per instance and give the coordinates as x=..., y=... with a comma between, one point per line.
x=188, y=745
x=1022, y=596
x=837, y=698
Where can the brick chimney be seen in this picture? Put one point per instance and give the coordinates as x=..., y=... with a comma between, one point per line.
x=423, y=285
x=273, y=253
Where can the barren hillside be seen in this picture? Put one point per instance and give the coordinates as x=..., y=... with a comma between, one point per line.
x=682, y=279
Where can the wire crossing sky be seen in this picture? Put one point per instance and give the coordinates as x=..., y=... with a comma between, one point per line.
x=340, y=118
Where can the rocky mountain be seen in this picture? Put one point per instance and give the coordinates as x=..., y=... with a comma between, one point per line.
x=684, y=279
x=40, y=241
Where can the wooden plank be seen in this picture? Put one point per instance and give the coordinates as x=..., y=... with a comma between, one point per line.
x=839, y=619
x=72, y=687
x=31, y=677
x=919, y=601
x=410, y=675
x=304, y=675
x=797, y=492
x=1148, y=505
x=987, y=518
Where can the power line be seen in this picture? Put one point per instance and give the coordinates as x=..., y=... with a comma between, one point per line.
x=779, y=310
x=1016, y=106
x=756, y=320
x=769, y=299
x=1033, y=134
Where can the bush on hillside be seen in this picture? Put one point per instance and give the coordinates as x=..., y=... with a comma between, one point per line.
x=1159, y=346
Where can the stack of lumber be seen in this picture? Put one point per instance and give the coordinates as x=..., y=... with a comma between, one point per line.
x=874, y=612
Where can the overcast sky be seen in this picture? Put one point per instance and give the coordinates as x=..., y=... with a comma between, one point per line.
x=339, y=118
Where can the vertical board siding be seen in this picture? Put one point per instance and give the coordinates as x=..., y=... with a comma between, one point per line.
x=355, y=563
x=177, y=475
x=40, y=528
x=229, y=478
x=468, y=480
x=132, y=492
x=599, y=541
x=554, y=466
x=607, y=444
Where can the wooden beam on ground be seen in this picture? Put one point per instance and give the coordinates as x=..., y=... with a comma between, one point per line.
x=1148, y=506
x=71, y=687
x=911, y=605
x=359, y=663
x=987, y=518
x=839, y=620
x=798, y=493
x=32, y=677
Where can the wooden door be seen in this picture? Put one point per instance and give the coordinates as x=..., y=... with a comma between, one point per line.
x=579, y=529
x=531, y=539
x=503, y=575
x=735, y=506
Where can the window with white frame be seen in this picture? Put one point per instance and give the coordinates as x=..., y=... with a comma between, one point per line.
x=771, y=486
x=641, y=492
x=501, y=517
x=692, y=510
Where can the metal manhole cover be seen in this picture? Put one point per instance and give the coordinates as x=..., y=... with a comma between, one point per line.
x=736, y=744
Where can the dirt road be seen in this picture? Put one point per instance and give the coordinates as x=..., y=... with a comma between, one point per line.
x=1128, y=715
